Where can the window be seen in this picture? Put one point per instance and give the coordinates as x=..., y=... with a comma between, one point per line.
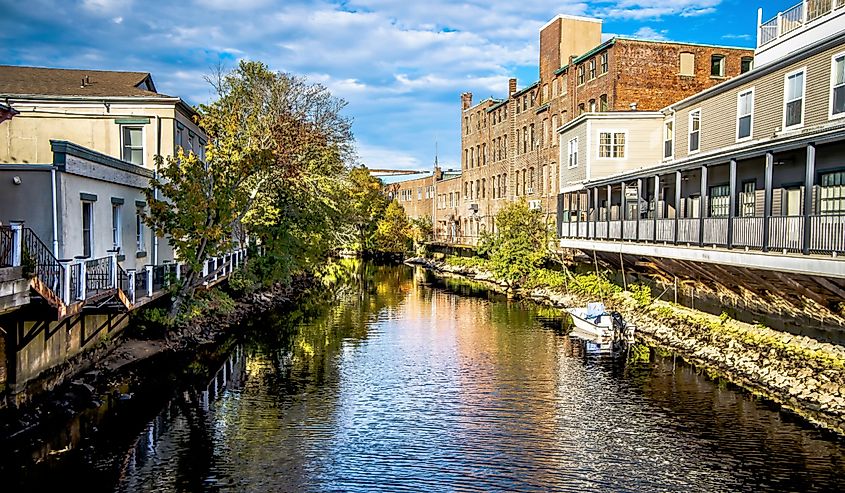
x=603, y=103
x=592, y=68
x=580, y=75
x=554, y=128
x=533, y=137
x=720, y=201
x=202, y=150
x=554, y=88
x=582, y=109
x=545, y=93
x=603, y=63
x=531, y=181
x=694, y=131
x=592, y=106
x=133, y=145
x=178, y=143
x=746, y=64
x=87, y=228
x=748, y=198
x=612, y=145
x=484, y=188
x=744, y=114
x=832, y=193
x=668, y=138
x=837, y=89
x=139, y=230
x=115, y=226
x=687, y=64
x=419, y=193
x=793, y=112
x=717, y=66
x=572, y=153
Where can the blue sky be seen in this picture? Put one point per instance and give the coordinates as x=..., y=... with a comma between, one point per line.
x=401, y=65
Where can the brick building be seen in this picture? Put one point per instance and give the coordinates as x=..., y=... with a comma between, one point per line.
x=510, y=146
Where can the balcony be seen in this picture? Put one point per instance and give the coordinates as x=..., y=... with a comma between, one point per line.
x=812, y=245
x=789, y=31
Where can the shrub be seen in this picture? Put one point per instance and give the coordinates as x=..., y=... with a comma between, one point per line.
x=641, y=294
x=546, y=278
x=594, y=286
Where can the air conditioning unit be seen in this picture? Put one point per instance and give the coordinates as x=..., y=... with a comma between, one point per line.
x=473, y=208
x=534, y=205
x=529, y=191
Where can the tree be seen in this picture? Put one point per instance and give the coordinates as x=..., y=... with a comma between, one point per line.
x=393, y=231
x=365, y=204
x=276, y=146
x=519, y=245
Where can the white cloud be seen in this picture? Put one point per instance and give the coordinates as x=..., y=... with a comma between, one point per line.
x=378, y=157
x=106, y=6
x=649, y=33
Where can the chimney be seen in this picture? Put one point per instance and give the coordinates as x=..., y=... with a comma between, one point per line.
x=511, y=87
x=466, y=100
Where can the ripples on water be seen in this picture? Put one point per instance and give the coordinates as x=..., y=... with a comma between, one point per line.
x=404, y=387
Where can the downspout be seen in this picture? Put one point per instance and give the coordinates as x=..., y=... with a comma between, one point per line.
x=155, y=190
x=55, y=212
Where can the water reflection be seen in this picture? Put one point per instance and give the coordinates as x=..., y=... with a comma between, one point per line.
x=399, y=384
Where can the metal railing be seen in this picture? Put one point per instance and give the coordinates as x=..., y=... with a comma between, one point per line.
x=6, y=241
x=785, y=233
x=38, y=256
x=98, y=276
x=795, y=18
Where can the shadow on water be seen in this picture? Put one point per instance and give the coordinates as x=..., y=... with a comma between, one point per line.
x=398, y=381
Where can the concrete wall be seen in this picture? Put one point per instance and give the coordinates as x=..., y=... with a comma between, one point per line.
x=30, y=201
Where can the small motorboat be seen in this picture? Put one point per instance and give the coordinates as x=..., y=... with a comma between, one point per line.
x=606, y=329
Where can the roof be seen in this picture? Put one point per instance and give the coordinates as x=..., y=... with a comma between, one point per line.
x=39, y=81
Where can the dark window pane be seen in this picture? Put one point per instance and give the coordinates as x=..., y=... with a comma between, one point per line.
x=793, y=113
x=693, y=141
x=839, y=100
x=744, y=127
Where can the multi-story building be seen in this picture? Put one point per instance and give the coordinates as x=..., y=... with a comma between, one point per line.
x=509, y=146
x=746, y=188
x=112, y=125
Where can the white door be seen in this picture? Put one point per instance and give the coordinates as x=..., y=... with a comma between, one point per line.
x=792, y=202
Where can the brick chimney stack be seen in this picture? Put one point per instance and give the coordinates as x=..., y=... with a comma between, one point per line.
x=511, y=87
x=466, y=100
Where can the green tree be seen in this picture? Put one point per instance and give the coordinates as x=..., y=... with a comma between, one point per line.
x=393, y=230
x=276, y=144
x=519, y=245
x=365, y=204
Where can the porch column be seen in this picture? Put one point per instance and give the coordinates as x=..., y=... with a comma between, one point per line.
x=732, y=202
x=677, y=203
x=656, y=204
x=578, y=214
x=702, y=205
x=65, y=263
x=767, y=199
x=130, y=273
x=596, y=208
x=589, y=197
x=623, y=207
x=607, y=210
x=83, y=277
x=17, y=242
x=809, y=178
x=113, y=278
x=639, y=201
x=149, y=280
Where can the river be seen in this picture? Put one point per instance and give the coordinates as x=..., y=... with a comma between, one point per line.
x=408, y=383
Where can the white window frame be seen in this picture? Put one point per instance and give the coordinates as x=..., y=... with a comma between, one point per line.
x=573, y=144
x=803, y=98
x=674, y=138
x=117, y=225
x=738, y=116
x=140, y=245
x=143, y=142
x=690, y=132
x=91, y=237
x=831, y=115
x=613, y=144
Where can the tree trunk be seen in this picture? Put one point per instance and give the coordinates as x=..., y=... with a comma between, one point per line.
x=185, y=292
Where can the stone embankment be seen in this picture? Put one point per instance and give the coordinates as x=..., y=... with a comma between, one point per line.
x=799, y=373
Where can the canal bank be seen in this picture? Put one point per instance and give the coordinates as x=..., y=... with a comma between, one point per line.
x=145, y=343
x=800, y=374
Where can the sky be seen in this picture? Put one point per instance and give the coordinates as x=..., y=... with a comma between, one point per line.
x=401, y=65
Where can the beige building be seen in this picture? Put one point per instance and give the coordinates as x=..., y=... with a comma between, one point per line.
x=114, y=122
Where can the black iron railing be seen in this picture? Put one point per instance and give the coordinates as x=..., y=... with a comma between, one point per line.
x=38, y=260
x=6, y=246
x=785, y=233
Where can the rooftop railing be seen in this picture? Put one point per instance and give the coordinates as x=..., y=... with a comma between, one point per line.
x=794, y=18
